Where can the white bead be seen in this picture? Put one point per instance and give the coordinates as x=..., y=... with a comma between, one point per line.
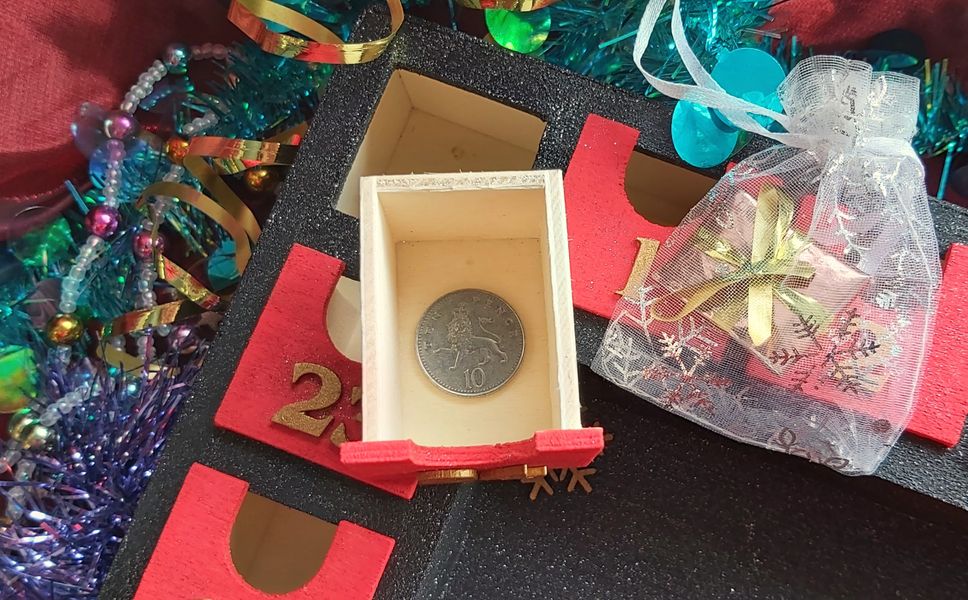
x=94, y=241
x=49, y=418
x=163, y=330
x=76, y=272
x=129, y=106
x=63, y=354
x=117, y=342
x=144, y=286
x=65, y=405
x=188, y=129
x=67, y=306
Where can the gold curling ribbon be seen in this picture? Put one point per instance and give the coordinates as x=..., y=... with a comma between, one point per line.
x=163, y=314
x=227, y=209
x=187, y=286
x=234, y=156
x=773, y=258
x=212, y=209
x=323, y=46
x=195, y=163
x=513, y=5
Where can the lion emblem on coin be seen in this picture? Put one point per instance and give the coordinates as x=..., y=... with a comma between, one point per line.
x=465, y=342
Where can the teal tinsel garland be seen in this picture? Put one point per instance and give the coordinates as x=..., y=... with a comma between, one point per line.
x=595, y=37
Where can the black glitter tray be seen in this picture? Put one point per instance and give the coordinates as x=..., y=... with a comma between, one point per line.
x=676, y=511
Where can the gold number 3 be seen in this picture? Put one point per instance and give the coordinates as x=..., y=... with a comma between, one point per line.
x=294, y=415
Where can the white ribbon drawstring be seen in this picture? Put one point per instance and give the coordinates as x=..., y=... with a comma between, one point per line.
x=711, y=95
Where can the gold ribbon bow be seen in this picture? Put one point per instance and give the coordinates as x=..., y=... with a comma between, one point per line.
x=774, y=257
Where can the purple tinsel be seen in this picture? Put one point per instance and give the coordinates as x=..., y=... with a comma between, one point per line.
x=78, y=498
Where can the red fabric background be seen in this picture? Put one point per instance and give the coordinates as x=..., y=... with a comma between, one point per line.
x=63, y=52
x=60, y=53
x=831, y=25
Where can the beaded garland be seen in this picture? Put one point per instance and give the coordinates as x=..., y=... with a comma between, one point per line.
x=28, y=429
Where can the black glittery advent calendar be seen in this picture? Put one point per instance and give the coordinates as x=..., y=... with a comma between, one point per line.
x=669, y=509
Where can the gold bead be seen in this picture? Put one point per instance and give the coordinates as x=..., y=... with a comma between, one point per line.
x=176, y=149
x=260, y=179
x=64, y=329
x=21, y=420
x=26, y=430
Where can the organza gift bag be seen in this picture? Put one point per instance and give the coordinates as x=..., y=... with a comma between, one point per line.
x=792, y=308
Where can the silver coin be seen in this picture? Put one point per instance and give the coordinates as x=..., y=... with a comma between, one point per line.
x=470, y=342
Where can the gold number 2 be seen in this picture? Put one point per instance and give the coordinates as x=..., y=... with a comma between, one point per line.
x=294, y=415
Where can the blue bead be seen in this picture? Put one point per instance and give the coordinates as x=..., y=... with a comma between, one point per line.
x=697, y=137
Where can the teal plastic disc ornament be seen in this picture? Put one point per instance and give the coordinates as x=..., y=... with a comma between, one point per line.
x=221, y=267
x=522, y=32
x=700, y=139
x=754, y=76
x=704, y=137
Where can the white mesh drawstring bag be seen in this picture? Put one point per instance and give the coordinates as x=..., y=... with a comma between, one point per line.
x=792, y=308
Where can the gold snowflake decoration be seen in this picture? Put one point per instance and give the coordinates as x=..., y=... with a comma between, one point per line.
x=575, y=477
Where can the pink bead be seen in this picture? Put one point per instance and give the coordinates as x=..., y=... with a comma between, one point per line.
x=120, y=125
x=115, y=150
x=143, y=247
x=103, y=221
